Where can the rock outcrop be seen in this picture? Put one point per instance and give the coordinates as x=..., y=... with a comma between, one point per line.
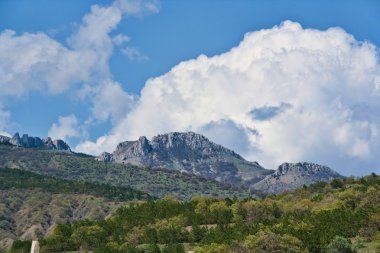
x=27, y=141
x=191, y=153
x=290, y=176
x=195, y=154
x=4, y=139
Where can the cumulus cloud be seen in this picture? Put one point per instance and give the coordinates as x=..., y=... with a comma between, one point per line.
x=229, y=134
x=67, y=127
x=37, y=62
x=111, y=102
x=284, y=94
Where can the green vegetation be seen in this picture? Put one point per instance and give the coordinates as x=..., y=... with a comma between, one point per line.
x=18, y=179
x=30, y=204
x=31, y=213
x=21, y=246
x=156, y=182
x=343, y=216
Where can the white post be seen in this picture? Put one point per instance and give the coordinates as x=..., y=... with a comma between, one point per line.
x=35, y=247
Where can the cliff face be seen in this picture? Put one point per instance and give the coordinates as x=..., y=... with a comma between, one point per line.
x=191, y=153
x=27, y=141
x=290, y=176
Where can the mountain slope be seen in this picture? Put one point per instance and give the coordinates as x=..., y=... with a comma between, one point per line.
x=19, y=179
x=191, y=153
x=290, y=176
x=31, y=205
x=31, y=213
x=157, y=183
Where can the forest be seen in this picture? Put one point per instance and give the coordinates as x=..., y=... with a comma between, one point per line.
x=341, y=216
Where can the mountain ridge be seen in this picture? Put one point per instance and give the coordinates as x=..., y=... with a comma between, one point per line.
x=27, y=141
x=78, y=167
x=195, y=154
x=191, y=153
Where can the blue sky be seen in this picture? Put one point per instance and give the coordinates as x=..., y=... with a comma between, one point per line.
x=158, y=40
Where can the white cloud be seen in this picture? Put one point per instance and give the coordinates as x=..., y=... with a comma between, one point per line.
x=120, y=39
x=4, y=122
x=137, y=7
x=111, y=101
x=37, y=62
x=5, y=134
x=66, y=127
x=134, y=54
x=327, y=80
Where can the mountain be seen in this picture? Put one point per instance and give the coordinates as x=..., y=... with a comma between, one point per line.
x=191, y=153
x=27, y=141
x=182, y=164
x=80, y=167
x=290, y=176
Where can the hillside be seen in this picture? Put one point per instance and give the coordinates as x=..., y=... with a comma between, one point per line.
x=32, y=204
x=189, y=152
x=157, y=183
x=19, y=179
x=341, y=216
x=31, y=213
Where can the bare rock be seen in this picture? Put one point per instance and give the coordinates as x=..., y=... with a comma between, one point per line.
x=191, y=153
x=290, y=176
x=27, y=141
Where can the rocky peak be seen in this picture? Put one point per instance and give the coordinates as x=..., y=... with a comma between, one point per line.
x=137, y=148
x=189, y=143
x=4, y=139
x=48, y=142
x=16, y=140
x=187, y=152
x=188, y=140
x=61, y=145
x=27, y=141
x=290, y=176
x=143, y=146
x=105, y=157
x=302, y=168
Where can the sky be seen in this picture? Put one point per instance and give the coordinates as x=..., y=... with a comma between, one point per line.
x=277, y=81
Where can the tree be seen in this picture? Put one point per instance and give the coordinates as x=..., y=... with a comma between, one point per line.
x=21, y=246
x=340, y=245
x=337, y=183
x=269, y=242
x=174, y=248
x=213, y=248
x=89, y=237
x=153, y=248
x=197, y=233
x=221, y=213
x=135, y=236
